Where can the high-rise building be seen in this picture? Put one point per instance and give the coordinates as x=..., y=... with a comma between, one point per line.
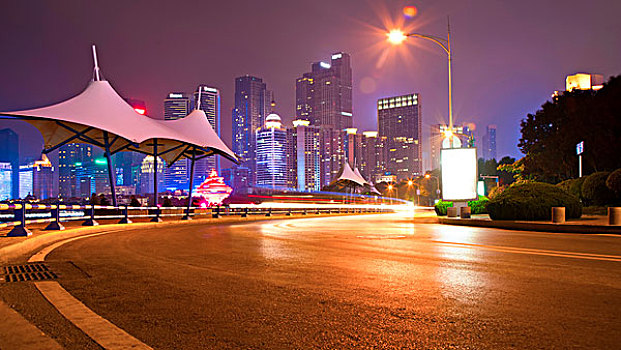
x=332, y=151
x=324, y=95
x=399, y=120
x=176, y=176
x=9, y=153
x=271, y=164
x=146, y=175
x=489, y=143
x=37, y=179
x=303, y=156
x=372, y=155
x=6, y=181
x=237, y=177
x=177, y=105
x=438, y=140
x=210, y=104
x=584, y=81
x=248, y=116
x=127, y=167
x=73, y=162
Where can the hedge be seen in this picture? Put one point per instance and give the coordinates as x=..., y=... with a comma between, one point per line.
x=476, y=207
x=532, y=201
x=595, y=191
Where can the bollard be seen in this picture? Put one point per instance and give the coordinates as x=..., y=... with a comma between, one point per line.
x=245, y=213
x=215, y=215
x=614, y=216
x=55, y=225
x=125, y=219
x=91, y=220
x=187, y=214
x=558, y=215
x=269, y=212
x=451, y=212
x=304, y=212
x=464, y=212
x=19, y=215
x=157, y=218
x=289, y=212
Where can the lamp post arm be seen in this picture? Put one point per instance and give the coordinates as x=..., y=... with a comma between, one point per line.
x=435, y=39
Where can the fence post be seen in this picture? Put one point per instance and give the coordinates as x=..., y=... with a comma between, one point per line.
x=245, y=213
x=187, y=214
x=269, y=212
x=157, y=218
x=91, y=220
x=125, y=219
x=289, y=212
x=20, y=215
x=304, y=212
x=55, y=225
x=216, y=215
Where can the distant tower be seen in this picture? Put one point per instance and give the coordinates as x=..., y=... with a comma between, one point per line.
x=9, y=156
x=399, y=120
x=489, y=142
x=210, y=104
x=176, y=106
x=271, y=163
x=74, y=160
x=303, y=156
x=248, y=115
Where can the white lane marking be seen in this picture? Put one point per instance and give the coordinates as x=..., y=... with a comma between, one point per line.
x=556, y=253
x=102, y=331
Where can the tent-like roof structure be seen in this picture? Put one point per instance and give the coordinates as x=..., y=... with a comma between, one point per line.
x=99, y=116
x=357, y=172
x=99, y=109
x=349, y=175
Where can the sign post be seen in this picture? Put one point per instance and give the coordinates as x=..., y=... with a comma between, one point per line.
x=579, y=151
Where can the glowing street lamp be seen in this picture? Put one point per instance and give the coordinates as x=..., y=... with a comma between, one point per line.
x=396, y=37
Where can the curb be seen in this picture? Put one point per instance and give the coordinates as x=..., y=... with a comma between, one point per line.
x=530, y=226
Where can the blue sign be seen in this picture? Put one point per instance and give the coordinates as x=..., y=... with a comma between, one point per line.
x=580, y=148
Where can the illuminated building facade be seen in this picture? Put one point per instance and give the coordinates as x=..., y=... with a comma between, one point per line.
x=324, y=95
x=37, y=179
x=6, y=181
x=303, y=156
x=146, y=175
x=399, y=120
x=73, y=160
x=371, y=161
x=210, y=104
x=332, y=151
x=237, y=177
x=584, y=81
x=437, y=140
x=9, y=153
x=250, y=109
x=271, y=163
x=177, y=176
x=177, y=105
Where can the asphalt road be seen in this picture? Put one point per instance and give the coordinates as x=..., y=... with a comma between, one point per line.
x=374, y=281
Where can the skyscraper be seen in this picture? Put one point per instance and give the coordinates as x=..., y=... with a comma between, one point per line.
x=489, y=142
x=37, y=179
x=271, y=164
x=248, y=114
x=372, y=155
x=399, y=120
x=210, y=104
x=9, y=154
x=324, y=95
x=176, y=105
x=73, y=159
x=303, y=156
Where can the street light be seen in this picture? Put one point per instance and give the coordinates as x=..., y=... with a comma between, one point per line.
x=428, y=176
x=396, y=37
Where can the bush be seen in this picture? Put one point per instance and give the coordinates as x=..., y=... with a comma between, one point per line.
x=133, y=202
x=476, y=207
x=496, y=191
x=575, y=188
x=595, y=191
x=613, y=182
x=532, y=201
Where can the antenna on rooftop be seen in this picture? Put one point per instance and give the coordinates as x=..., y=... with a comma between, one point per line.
x=198, y=103
x=97, y=78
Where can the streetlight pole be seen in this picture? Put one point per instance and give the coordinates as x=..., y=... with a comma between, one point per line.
x=397, y=36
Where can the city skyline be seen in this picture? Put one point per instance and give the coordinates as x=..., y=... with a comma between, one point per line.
x=512, y=75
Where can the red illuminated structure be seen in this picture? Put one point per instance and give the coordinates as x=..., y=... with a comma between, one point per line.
x=213, y=189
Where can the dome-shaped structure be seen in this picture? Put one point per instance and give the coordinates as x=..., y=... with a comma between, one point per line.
x=273, y=121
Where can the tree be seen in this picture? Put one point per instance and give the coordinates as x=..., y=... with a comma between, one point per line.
x=133, y=202
x=549, y=136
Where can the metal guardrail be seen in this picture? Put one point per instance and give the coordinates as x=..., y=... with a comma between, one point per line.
x=19, y=222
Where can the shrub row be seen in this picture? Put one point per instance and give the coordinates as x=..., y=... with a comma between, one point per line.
x=532, y=201
x=476, y=207
x=599, y=189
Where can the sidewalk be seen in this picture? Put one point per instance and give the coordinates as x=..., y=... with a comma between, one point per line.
x=587, y=224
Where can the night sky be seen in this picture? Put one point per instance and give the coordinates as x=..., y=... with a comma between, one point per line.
x=509, y=56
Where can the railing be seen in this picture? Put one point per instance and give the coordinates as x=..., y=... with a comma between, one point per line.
x=19, y=222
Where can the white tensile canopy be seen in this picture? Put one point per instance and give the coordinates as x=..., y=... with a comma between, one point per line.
x=350, y=175
x=99, y=116
x=357, y=172
x=99, y=110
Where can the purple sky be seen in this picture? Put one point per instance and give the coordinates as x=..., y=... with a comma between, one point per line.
x=509, y=56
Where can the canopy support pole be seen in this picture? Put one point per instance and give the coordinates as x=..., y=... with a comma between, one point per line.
x=157, y=216
x=111, y=177
x=192, y=160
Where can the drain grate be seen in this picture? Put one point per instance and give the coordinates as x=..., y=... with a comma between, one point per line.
x=28, y=272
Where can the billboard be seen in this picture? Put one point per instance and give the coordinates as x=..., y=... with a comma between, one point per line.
x=459, y=174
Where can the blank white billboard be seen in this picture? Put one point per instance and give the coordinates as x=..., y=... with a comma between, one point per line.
x=459, y=174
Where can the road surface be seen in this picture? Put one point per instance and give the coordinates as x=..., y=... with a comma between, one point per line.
x=372, y=281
